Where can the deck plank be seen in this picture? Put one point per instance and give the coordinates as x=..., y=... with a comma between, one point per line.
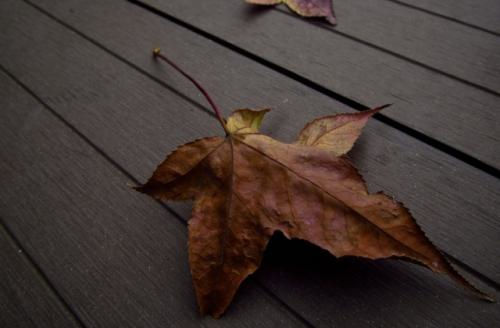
x=469, y=54
x=117, y=259
x=483, y=13
x=455, y=203
x=136, y=121
x=446, y=109
x=25, y=299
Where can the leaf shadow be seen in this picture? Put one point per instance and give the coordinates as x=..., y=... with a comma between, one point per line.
x=274, y=126
x=303, y=260
x=358, y=153
x=320, y=22
x=312, y=279
x=252, y=12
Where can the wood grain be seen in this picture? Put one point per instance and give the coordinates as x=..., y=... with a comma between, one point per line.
x=136, y=121
x=25, y=298
x=469, y=54
x=483, y=13
x=455, y=203
x=119, y=260
x=441, y=107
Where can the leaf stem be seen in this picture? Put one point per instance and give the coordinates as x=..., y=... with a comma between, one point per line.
x=157, y=54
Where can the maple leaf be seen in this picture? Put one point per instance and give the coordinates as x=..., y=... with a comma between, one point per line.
x=247, y=186
x=306, y=8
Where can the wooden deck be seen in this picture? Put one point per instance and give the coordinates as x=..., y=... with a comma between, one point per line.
x=85, y=110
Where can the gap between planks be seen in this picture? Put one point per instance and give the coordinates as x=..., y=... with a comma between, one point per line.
x=429, y=102
x=451, y=19
x=127, y=174
x=433, y=142
x=391, y=53
x=483, y=278
x=38, y=270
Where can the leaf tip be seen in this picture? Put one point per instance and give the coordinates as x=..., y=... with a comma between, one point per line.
x=378, y=109
x=332, y=20
x=143, y=189
x=244, y=121
x=489, y=298
x=484, y=296
x=132, y=185
x=384, y=106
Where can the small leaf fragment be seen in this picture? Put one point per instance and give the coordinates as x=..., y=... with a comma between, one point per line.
x=245, y=121
x=170, y=180
x=306, y=8
x=336, y=133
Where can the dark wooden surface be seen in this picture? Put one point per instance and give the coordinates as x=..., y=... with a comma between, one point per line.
x=476, y=14
x=428, y=98
x=86, y=111
x=26, y=298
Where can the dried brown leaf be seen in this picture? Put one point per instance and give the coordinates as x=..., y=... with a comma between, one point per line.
x=247, y=186
x=306, y=8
